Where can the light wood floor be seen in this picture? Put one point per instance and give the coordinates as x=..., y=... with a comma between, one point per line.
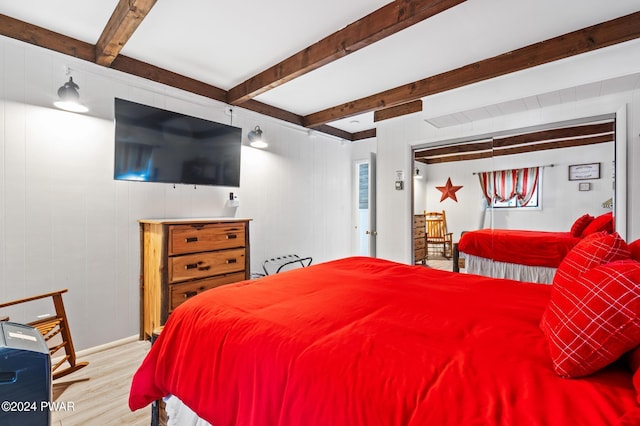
x=438, y=262
x=100, y=391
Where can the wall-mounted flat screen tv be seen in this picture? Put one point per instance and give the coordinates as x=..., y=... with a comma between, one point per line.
x=155, y=145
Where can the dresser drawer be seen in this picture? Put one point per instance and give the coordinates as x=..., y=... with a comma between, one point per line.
x=195, y=238
x=419, y=221
x=419, y=254
x=419, y=243
x=419, y=233
x=200, y=265
x=181, y=292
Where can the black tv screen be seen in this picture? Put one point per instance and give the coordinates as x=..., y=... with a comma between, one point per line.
x=155, y=145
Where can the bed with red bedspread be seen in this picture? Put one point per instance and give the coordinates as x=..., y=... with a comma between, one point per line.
x=363, y=341
x=525, y=255
x=533, y=248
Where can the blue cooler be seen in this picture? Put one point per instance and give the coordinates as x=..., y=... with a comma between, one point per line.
x=25, y=376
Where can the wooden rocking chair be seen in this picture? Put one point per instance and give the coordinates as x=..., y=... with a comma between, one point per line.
x=51, y=327
x=438, y=235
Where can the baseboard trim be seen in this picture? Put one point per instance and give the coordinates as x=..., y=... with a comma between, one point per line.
x=108, y=345
x=100, y=348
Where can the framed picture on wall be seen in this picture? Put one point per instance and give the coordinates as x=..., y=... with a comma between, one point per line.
x=584, y=186
x=584, y=171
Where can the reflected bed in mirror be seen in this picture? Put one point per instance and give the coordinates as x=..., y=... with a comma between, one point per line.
x=561, y=202
x=525, y=255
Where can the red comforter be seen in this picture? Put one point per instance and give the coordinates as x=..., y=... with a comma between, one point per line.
x=363, y=341
x=531, y=248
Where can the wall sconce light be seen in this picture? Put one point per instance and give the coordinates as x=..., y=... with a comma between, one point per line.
x=417, y=175
x=69, y=98
x=255, y=138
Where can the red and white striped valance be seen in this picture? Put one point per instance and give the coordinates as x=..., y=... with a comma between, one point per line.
x=503, y=185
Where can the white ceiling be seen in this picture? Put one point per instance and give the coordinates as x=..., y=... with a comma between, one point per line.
x=542, y=100
x=225, y=43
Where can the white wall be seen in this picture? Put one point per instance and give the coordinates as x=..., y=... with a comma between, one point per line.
x=396, y=137
x=65, y=223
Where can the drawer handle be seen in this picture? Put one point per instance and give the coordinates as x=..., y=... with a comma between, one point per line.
x=204, y=268
x=188, y=294
x=232, y=261
x=190, y=266
x=231, y=236
x=191, y=240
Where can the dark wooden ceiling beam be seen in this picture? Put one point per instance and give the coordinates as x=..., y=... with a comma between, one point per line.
x=364, y=134
x=290, y=117
x=582, y=41
x=41, y=37
x=397, y=111
x=566, y=143
x=518, y=144
x=161, y=75
x=338, y=133
x=379, y=24
x=272, y=111
x=124, y=20
x=562, y=133
x=521, y=149
x=458, y=157
x=486, y=145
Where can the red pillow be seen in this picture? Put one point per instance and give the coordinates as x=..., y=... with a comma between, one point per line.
x=633, y=358
x=604, y=222
x=595, y=319
x=636, y=384
x=634, y=248
x=581, y=223
x=593, y=250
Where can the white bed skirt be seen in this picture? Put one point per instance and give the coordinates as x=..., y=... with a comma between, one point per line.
x=178, y=414
x=490, y=268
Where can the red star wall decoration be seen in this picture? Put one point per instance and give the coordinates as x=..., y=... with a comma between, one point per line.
x=448, y=191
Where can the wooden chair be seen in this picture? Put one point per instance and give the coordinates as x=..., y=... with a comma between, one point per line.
x=50, y=327
x=439, y=240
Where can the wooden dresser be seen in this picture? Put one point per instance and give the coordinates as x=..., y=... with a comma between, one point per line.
x=419, y=239
x=180, y=258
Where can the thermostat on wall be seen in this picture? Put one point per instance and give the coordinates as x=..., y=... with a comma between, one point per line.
x=399, y=180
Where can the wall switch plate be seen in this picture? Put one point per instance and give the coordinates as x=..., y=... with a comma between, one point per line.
x=399, y=185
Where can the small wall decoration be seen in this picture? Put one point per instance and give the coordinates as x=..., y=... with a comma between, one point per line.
x=584, y=186
x=584, y=171
x=448, y=191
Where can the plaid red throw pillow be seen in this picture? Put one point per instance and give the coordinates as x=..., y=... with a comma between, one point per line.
x=593, y=250
x=634, y=248
x=595, y=319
